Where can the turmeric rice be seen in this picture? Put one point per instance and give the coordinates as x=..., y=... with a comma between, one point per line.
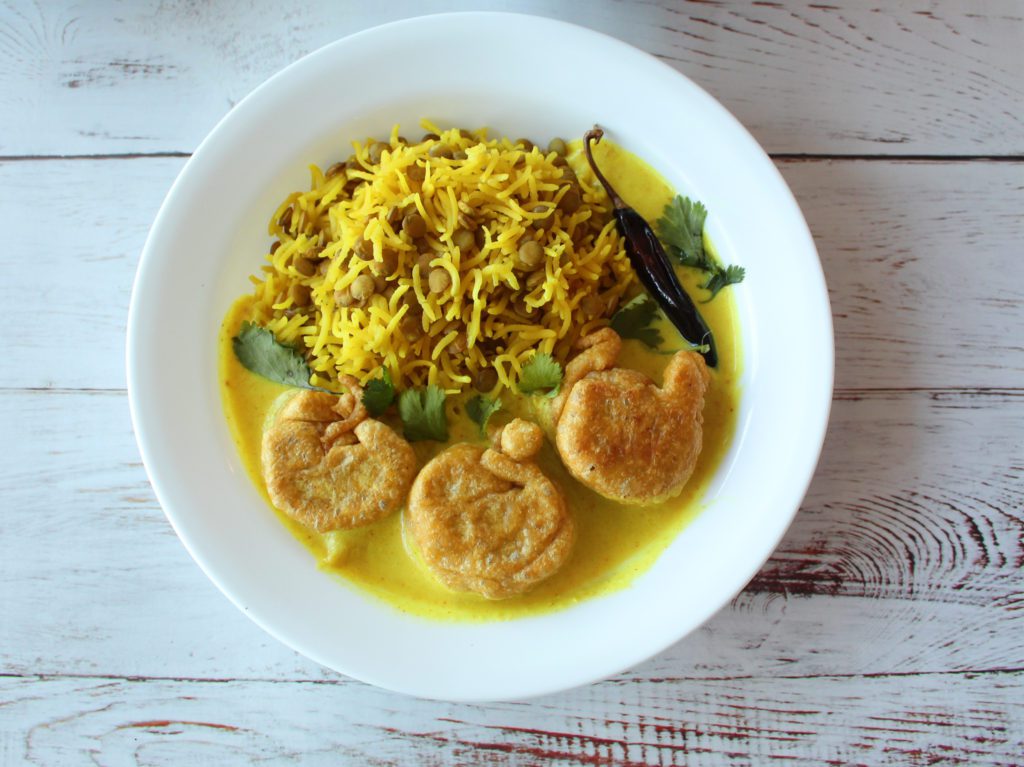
x=450, y=261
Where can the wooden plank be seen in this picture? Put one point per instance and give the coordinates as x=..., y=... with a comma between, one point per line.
x=919, y=258
x=76, y=231
x=905, y=557
x=940, y=77
x=922, y=719
x=918, y=495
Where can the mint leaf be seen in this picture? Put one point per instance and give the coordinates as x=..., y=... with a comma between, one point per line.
x=379, y=393
x=634, y=321
x=423, y=414
x=541, y=372
x=259, y=351
x=480, y=409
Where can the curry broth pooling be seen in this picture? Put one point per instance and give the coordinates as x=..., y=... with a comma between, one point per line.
x=615, y=543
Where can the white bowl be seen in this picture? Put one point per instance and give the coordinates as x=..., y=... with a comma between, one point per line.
x=525, y=76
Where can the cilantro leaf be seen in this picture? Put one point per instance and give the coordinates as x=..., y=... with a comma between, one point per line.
x=681, y=228
x=681, y=231
x=379, y=393
x=634, y=321
x=721, y=277
x=423, y=414
x=258, y=349
x=541, y=372
x=480, y=409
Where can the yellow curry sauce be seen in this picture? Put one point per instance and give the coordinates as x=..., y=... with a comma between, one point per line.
x=615, y=542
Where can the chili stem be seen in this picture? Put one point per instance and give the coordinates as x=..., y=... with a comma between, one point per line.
x=595, y=135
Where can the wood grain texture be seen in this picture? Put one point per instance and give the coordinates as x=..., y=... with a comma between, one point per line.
x=905, y=557
x=923, y=263
x=828, y=721
x=920, y=259
x=918, y=496
x=83, y=225
x=938, y=77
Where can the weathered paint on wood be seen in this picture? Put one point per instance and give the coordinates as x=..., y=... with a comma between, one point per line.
x=880, y=721
x=940, y=77
x=917, y=496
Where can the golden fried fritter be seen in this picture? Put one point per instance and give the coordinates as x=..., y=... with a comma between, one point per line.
x=621, y=435
x=598, y=351
x=489, y=521
x=330, y=467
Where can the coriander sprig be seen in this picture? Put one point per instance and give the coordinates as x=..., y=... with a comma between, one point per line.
x=480, y=409
x=681, y=230
x=379, y=393
x=634, y=320
x=541, y=372
x=258, y=349
x=423, y=414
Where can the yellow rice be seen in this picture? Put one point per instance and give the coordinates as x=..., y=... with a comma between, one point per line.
x=493, y=314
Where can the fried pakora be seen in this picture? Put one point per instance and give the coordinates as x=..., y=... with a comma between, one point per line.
x=331, y=467
x=488, y=520
x=621, y=435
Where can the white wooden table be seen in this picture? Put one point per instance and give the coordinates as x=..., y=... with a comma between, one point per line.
x=887, y=629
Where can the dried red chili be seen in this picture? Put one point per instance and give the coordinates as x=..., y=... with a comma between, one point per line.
x=652, y=265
